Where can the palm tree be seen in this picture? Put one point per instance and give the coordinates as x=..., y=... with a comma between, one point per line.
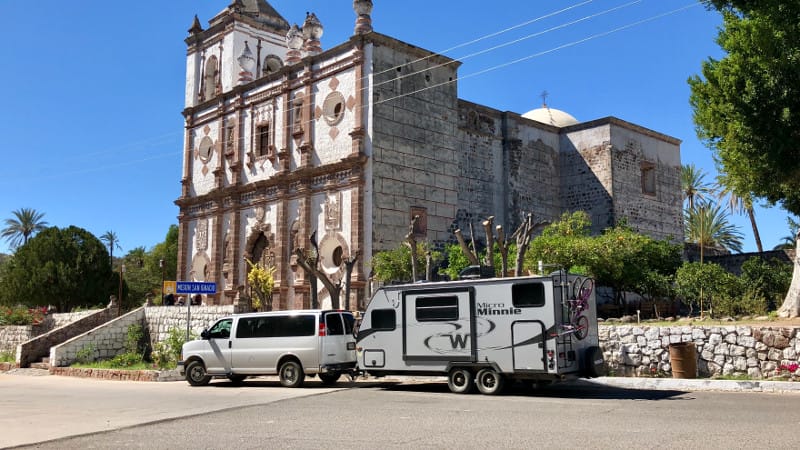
x=789, y=242
x=695, y=188
x=708, y=227
x=111, y=240
x=740, y=203
x=25, y=223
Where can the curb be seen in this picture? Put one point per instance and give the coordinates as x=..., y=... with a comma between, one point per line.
x=699, y=384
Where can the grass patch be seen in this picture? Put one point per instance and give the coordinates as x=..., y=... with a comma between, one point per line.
x=110, y=364
x=7, y=357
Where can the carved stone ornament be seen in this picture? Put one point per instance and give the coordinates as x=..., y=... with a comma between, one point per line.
x=333, y=211
x=201, y=238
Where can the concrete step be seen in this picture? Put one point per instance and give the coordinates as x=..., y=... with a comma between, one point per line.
x=43, y=364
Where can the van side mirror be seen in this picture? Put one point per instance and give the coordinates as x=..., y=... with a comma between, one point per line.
x=204, y=334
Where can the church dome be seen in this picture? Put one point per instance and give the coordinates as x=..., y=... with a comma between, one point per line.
x=551, y=116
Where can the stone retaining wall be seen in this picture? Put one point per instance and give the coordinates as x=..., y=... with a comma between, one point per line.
x=13, y=335
x=754, y=352
x=39, y=346
x=107, y=339
x=118, y=375
x=160, y=320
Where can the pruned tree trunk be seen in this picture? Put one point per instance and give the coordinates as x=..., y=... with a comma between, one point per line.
x=349, y=263
x=428, y=265
x=473, y=259
x=503, y=245
x=412, y=243
x=756, y=235
x=333, y=289
x=523, y=237
x=488, y=261
x=791, y=305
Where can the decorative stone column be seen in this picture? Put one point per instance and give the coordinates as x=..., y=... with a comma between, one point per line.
x=248, y=64
x=312, y=32
x=294, y=42
x=363, y=9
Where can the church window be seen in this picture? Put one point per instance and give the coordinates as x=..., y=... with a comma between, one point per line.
x=262, y=140
x=297, y=113
x=210, y=78
x=333, y=108
x=648, y=178
x=205, y=149
x=272, y=64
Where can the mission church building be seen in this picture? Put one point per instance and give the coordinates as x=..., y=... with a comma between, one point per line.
x=285, y=140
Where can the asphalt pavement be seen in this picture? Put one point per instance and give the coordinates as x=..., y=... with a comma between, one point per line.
x=37, y=407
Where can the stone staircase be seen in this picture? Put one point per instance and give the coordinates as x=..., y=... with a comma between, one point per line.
x=43, y=363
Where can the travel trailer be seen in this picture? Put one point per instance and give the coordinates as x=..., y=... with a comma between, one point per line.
x=291, y=344
x=483, y=332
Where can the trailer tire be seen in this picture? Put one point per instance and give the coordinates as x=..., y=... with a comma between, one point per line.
x=460, y=381
x=593, y=364
x=489, y=382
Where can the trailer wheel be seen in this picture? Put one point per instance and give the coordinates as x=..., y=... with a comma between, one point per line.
x=489, y=382
x=593, y=364
x=291, y=374
x=460, y=381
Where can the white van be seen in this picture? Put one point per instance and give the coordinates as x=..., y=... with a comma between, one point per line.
x=291, y=344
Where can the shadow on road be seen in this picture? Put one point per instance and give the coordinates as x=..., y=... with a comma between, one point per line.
x=578, y=389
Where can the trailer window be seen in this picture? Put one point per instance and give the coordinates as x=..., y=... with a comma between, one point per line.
x=528, y=295
x=431, y=309
x=383, y=319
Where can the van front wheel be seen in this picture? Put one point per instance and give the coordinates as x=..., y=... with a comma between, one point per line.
x=196, y=374
x=291, y=374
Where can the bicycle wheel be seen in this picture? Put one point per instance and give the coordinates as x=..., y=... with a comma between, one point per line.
x=584, y=289
x=582, y=328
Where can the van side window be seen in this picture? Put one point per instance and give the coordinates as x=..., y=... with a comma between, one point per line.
x=333, y=321
x=275, y=326
x=383, y=319
x=431, y=309
x=528, y=295
x=349, y=322
x=221, y=329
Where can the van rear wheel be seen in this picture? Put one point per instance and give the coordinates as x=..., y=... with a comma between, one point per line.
x=196, y=374
x=329, y=378
x=489, y=381
x=291, y=374
x=460, y=381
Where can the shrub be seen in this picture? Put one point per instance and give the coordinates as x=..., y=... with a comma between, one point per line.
x=85, y=355
x=20, y=315
x=7, y=357
x=167, y=352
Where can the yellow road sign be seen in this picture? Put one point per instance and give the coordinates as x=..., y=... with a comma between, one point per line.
x=169, y=287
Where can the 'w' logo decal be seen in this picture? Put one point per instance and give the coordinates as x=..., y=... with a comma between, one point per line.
x=458, y=340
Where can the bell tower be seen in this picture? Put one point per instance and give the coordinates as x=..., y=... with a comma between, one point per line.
x=244, y=42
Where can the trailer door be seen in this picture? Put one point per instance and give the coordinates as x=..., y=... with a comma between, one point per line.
x=528, y=343
x=439, y=325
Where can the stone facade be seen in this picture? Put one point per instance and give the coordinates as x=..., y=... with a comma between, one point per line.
x=349, y=143
x=751, y=352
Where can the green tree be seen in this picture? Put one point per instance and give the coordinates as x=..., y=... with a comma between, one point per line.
x=65, y=267
x=789, y=242
x=25, y=223
x=767, y=279
x=708, y=227
x=704, y=285
x=111, y=240
x=261, y=281
x=395, y=265
x=746, y=106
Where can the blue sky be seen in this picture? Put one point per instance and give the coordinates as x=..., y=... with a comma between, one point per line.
x=94, y=89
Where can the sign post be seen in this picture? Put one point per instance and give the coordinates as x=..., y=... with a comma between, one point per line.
x=193, y=287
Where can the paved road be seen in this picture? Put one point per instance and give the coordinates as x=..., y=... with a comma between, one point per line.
x=260, y=414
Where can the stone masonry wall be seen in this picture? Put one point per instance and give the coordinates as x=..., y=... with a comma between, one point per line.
x=39, y=346
x=414, y=163
x=161, y=319
x=107, y=338
x=13, y=335
x=754, y=352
